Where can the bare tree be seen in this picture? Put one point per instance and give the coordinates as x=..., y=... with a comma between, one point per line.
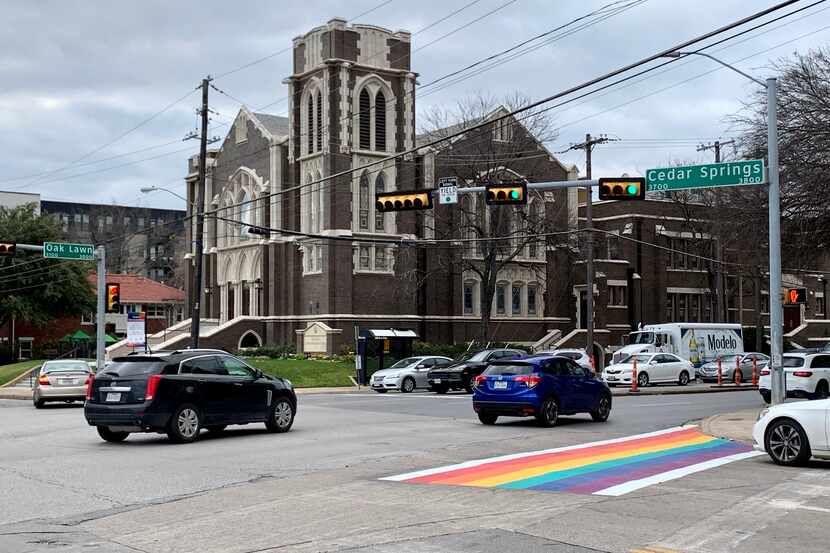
x=493, y=240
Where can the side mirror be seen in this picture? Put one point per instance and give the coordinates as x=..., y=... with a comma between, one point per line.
x=652, y=362
x=258, y=373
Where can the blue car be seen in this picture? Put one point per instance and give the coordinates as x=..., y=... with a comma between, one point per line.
x=544, y=387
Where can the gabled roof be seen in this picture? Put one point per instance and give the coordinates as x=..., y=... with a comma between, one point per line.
x=426, y=138
x=139, y=289
x=276, y=125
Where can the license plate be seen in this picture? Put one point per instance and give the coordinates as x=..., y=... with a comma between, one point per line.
x=612, y=378
x=113, y=396
x=499, y=385
x=436, y=380
x=65, y=381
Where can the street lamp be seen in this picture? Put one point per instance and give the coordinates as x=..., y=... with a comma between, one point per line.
x=776, y=310
x=148, y=189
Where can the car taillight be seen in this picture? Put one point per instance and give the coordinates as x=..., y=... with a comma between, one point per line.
x=89, y=380
x=43, y=380
x=765, y=372
x=530, y=381
x=480, y=379
x=152, y=386
x=805, y=374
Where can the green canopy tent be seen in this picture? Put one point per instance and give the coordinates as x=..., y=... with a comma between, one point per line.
x=109, y=339
x=62, y=343
x=81, y=342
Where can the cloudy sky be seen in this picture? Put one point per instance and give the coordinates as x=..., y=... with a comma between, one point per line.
x=78, y=76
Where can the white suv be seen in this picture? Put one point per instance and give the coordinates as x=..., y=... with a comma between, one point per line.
x=807, y=375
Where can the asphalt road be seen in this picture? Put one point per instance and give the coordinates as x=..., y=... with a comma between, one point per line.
x=316, y=488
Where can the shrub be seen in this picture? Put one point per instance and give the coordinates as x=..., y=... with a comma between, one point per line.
x=270, y=351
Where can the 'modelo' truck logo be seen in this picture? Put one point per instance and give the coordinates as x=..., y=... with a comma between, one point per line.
x=716, y=343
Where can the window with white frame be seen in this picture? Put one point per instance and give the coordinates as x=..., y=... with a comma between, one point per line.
x=372, y=129
x=363, y=201
x=365, y=120
x=318, y=121
x=88, y=319
x=312, y=258
x=241, y=129
x=503, y=130
x=614, y=248
x=516, y=299
x=380, y=217
x=309, y=134
x=65, y=222
x=532, y=293
x=501, y=291
x=374, y=259
x=155, y=311
x=617, y=296
x=469, y=297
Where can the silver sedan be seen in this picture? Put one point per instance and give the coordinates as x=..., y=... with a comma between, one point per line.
x=709, y=371
x=61, y=380
x=407, y=374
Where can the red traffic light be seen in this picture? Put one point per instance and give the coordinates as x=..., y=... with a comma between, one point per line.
x=113, y=298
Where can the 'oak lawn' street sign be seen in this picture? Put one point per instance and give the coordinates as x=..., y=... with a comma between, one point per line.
x=64, y=250
x=733, y=173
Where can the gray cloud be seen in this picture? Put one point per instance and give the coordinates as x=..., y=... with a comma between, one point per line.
x=78, y=74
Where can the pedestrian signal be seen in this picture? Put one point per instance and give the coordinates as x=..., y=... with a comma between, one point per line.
x=795, y=296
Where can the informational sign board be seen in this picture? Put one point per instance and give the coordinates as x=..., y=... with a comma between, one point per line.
x=448, y=190
x=65, y=250
x=734, y=173
x=136, y=330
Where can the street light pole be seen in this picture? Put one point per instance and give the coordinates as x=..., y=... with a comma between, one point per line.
x=776, y=309
x=196, y=294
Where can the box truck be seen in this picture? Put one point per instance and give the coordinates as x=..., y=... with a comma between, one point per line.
x=698, y=343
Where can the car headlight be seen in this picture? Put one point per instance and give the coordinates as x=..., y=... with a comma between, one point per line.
x=290, y=385
x=762, y=414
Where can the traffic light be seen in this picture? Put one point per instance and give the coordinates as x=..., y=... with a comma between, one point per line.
x=508, y=193
x=7, y=249
x=404, y=201
x=795, y=296
x=622, y=188
x=113, y=298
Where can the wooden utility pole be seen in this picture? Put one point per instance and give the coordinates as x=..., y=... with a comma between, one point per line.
x=588, y=146
x=198, y=286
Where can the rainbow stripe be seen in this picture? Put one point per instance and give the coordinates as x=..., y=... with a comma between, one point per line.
x=609, y=467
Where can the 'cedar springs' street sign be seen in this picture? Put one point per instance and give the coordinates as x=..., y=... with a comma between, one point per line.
x=701, y=176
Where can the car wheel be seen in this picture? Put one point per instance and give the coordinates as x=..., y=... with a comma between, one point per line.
x=38, y=403
x=381, y=391
x=468, y=385
x=441, y=389
x=642, y=380
x=766, y=396
x=822, y=391
x=185, y=424
x=216, y=428
x=600, y=414
x=488, y=418
x=408, y=385
x=786, y=443
x=281, y=416
x=549, y=413
x=111, y=436
x=684, y=378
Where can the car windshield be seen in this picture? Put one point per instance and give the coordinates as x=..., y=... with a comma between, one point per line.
x=480, y=356
x=63, y=366
x=405, y=363
x=793, y=361
x=642, y=338
x=641, y=358
x=570, y=354
x=728, y=358
x=123, y=369
x=512, y=369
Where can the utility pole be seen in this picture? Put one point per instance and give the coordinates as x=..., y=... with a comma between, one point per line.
x=196, y=293
x=588, y=146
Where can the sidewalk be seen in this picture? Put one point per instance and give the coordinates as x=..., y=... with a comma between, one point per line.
x=733, y=426
x=693, y=388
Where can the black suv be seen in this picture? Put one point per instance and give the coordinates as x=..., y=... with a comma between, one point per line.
x=461, y=374
x=181, y=392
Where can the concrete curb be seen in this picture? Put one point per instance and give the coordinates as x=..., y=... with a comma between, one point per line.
x=736, y=426
x=678, y=390
x=17, y=379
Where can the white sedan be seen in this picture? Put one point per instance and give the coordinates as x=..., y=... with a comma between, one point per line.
x=807, y=375
x=793, y=432
x=652, y=368
x=577, y=355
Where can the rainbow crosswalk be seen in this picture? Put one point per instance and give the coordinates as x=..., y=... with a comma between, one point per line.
x=609, y=467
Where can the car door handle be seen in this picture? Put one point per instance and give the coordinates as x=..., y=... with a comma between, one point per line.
x=201, y=380
x=237, y=384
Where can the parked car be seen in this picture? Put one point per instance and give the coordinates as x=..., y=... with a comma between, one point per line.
x=806, y=375
x=182, y=392
x=708, y=372
x=652, y=368
x=61, y=380
x=577, y=355
x=541, y=387
x=791, y=433
x=460, y=375
x=407, y=374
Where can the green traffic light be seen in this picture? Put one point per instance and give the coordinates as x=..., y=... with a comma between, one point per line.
x=631, y=189
x=514, y=194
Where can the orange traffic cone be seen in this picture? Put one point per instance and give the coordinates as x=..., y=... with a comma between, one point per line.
x=634, y=377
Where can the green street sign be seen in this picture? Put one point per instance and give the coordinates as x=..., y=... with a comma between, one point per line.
x=63, y=250
x=734, y=173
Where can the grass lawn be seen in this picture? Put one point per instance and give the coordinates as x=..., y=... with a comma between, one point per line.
x=10, y=372
x=307, y=373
